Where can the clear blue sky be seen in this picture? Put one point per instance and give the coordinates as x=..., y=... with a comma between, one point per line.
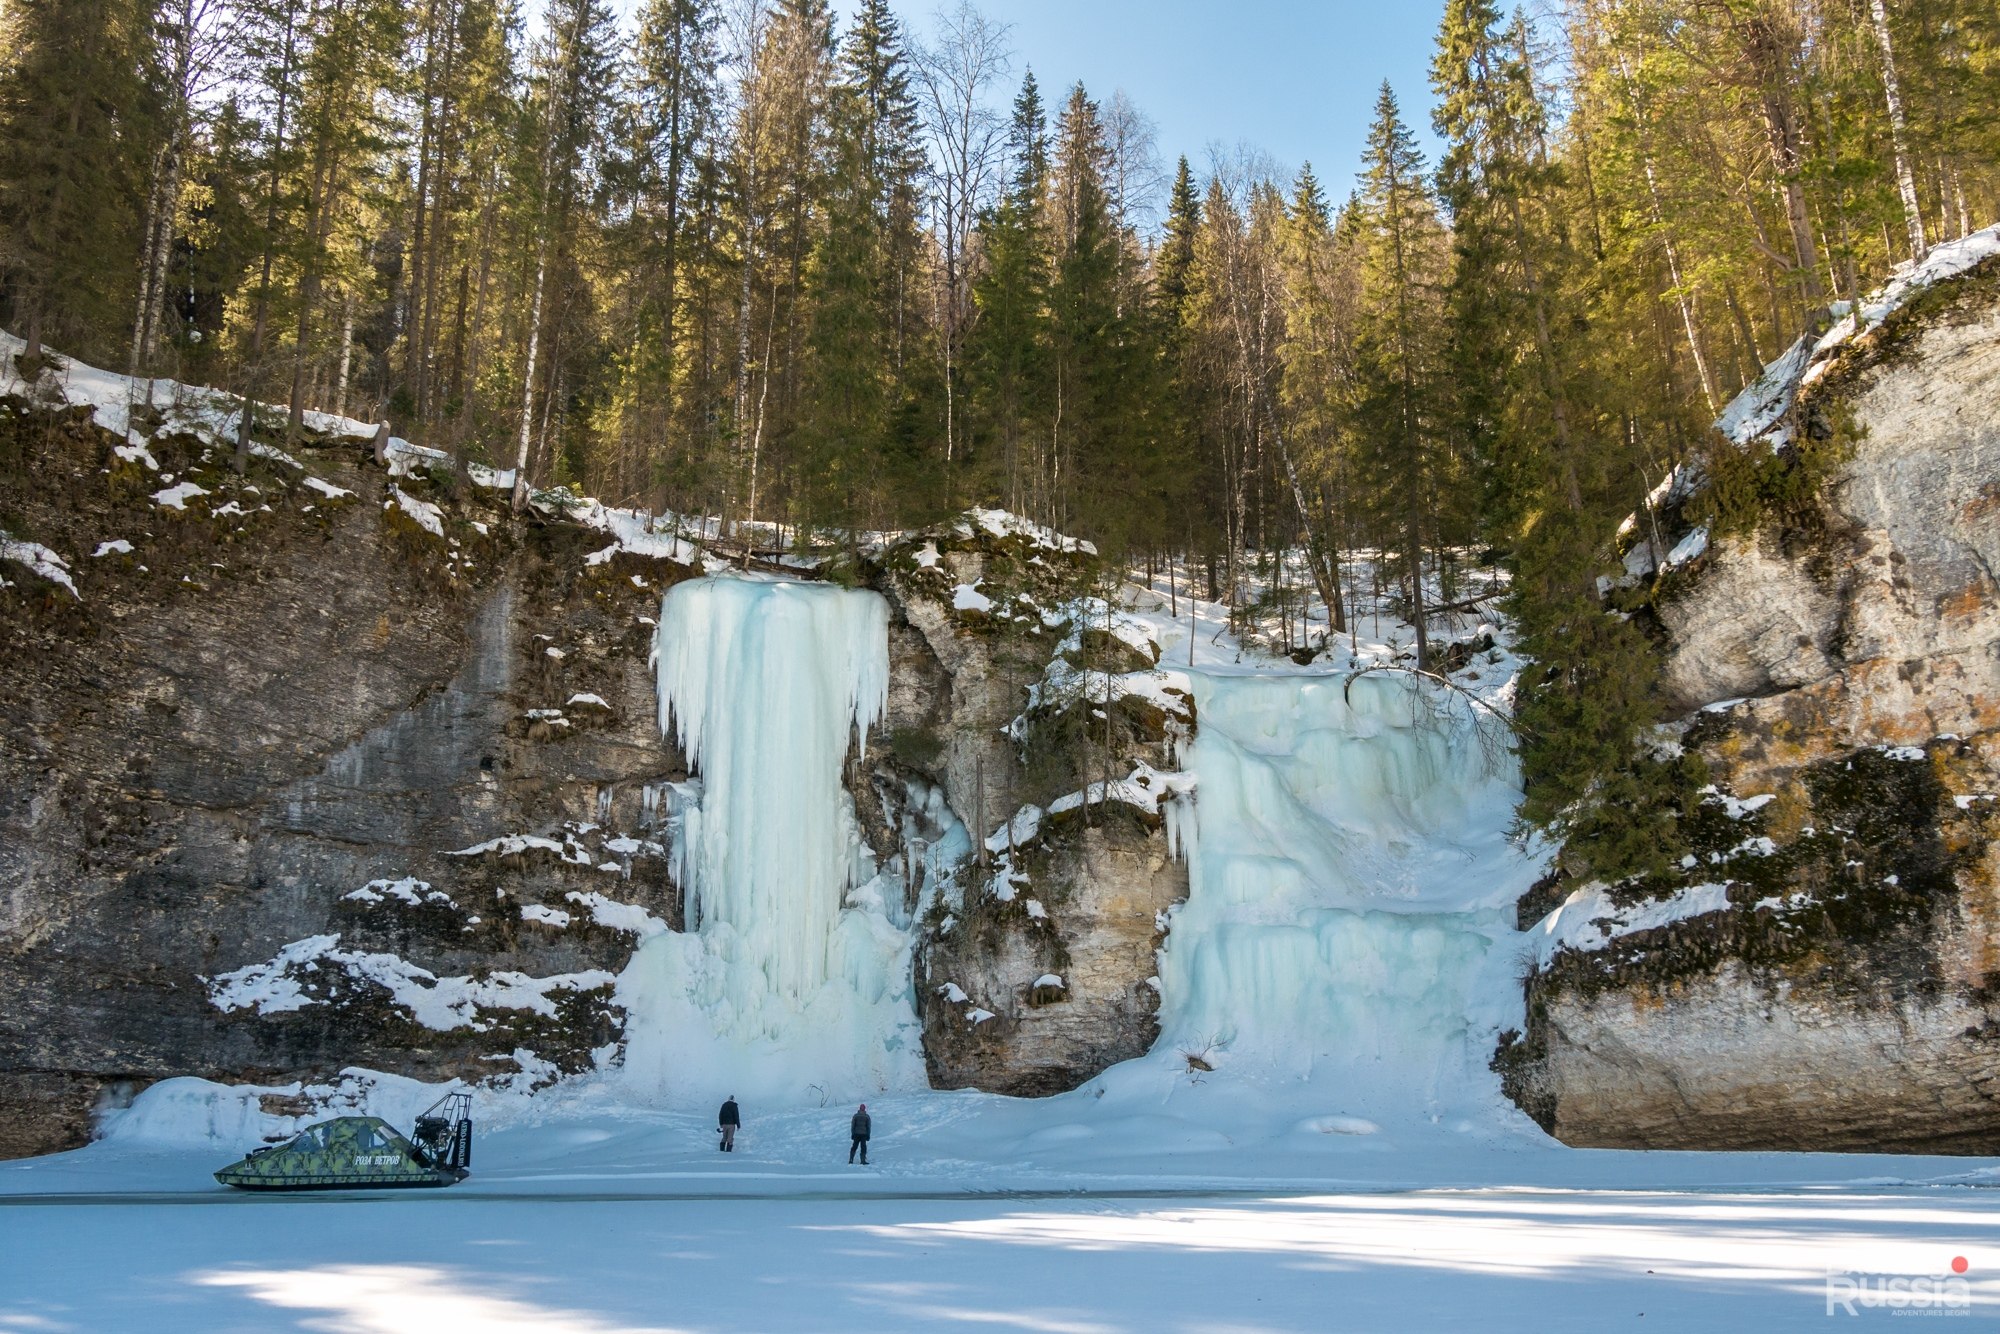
x=1295, y=78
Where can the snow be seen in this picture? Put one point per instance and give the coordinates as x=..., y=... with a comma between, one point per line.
x=280, y=985
x=927, y=556
x=409, y=889
x=968, y=598
x=586, y=701
x=795, y=973
x=979, y=1016
x=421, y=512
x=178, y=495
x=1948, y=260
x=210, y=415
x=137, y=452
x=1765, y=401
x=1001, y=523
x=547, y=916
x=513, y=1251
x=954, y=993
x=1021, y=829
x=116, y=547
x=617, y=916
x=654, y=537
x=1736, y=808
x=41, y=560
x=260, y=450
x=327, y=489
x=1589, y=920
x=1688, y=548
x=513, y=845
x=1048, y=980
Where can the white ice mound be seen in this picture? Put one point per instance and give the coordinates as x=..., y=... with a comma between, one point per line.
x=779, y=989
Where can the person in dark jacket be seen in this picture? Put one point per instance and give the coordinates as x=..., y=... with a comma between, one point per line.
x=859, y=1128
x=727, y=1120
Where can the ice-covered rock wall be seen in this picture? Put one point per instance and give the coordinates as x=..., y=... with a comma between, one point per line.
x=793, y=979
x=1351, y=891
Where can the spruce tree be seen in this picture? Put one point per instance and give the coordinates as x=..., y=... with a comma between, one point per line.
x=1086, y=334
x=1176, y=253
x=1398, y=345
x=1008, y=346
x=861, y=282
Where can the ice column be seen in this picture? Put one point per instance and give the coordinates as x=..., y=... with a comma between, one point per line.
x=763, y=684
x=794, y=973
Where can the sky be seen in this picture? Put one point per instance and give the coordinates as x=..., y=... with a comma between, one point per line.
x=1294, y=78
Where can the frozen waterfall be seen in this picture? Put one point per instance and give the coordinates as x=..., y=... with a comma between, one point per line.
x=792, y=982
x=1348, y=931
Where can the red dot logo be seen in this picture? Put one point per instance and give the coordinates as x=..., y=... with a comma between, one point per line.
x=1958, y=1264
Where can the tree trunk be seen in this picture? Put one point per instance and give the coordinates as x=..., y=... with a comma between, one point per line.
x=1906, y=178
x=528, y=378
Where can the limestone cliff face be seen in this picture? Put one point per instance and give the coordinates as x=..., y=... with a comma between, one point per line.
x=1094, y=921
x=1072, y=900
x=1838, y=670
x=275, y=720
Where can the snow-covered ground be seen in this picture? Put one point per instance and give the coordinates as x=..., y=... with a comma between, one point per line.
x=634, y=1223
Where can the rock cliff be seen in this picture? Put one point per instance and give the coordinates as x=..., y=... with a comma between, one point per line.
x=297, y=776
x=1823, y=972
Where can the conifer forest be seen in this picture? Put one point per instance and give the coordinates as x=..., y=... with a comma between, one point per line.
x=757, y=260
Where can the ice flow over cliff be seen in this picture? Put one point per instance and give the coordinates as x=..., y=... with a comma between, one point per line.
x=1344, y=960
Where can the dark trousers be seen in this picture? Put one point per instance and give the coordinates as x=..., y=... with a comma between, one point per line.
x=859, y=1143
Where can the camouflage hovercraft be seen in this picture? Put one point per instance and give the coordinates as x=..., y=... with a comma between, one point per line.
x=362, y=1152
